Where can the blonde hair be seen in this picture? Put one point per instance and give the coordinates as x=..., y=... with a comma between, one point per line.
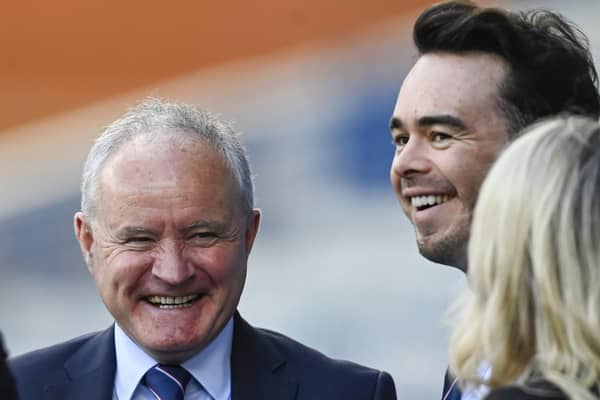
x=534, y=264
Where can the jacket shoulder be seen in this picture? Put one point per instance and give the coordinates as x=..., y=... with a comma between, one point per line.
x=535, y=392
x=39, y=370
x=46, y=359
x=335, y=376
x=306, y=355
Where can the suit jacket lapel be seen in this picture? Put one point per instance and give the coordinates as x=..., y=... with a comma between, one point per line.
x=90, y=372
x=258, y=369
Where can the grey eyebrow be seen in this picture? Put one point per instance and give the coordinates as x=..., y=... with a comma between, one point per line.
x=128, y=231
x=212, y=224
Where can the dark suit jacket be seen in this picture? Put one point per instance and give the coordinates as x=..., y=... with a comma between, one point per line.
x=541, y=390
x=7, y=384
x=264, y=365
x=451, y=390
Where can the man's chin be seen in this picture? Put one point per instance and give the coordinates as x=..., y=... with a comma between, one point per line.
x=444, y=251
x=174, y=352
x=173, y=343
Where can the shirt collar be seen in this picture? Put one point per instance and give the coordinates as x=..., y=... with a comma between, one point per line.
x=132, y=364
x=211, y=366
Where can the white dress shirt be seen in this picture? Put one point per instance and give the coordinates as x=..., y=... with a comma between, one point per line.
x=210, y=368
x=478, y=392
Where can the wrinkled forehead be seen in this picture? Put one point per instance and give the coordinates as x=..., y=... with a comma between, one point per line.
x=161, y=162
x=163, y=151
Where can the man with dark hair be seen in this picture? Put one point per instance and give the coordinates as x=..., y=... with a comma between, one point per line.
x=482, y=74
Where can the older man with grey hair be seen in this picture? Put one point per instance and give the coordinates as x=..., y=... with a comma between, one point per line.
x=166, y=228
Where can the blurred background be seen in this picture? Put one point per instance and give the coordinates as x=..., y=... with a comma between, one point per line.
x=312, y=85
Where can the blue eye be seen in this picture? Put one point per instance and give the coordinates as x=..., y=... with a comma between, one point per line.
x=203, y=235
x=203, y=239
x=139, y=239
x=139, y=242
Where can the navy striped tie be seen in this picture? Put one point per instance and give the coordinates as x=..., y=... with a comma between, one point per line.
x=167, y=382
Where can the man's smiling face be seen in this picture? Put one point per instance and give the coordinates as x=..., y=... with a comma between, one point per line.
x=168, y=244
x=448, y=130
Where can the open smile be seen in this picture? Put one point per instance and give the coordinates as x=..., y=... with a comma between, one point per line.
x=170, y=302
x=421, y=203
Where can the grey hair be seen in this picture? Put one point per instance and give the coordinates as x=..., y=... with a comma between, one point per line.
x=154, y=117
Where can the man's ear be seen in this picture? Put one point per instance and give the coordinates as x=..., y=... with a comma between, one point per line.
x=84, y=235
x=252, y=228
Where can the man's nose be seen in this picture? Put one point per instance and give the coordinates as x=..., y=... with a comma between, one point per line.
x=412, y=159
x=172, y=266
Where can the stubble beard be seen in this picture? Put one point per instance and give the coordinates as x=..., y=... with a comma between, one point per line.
x=450, y=250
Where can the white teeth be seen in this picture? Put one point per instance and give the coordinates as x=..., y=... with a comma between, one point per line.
x=420, y=201
x=172, y=301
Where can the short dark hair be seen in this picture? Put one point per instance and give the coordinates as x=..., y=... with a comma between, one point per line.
x=551, y=67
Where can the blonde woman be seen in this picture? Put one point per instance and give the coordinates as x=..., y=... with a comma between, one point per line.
x=532, y=315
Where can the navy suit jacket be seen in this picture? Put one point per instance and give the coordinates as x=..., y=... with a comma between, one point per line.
x=264, y=365
x=451, y=390
x=7, y=384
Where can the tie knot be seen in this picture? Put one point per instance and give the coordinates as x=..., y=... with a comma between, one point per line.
x=167, y=382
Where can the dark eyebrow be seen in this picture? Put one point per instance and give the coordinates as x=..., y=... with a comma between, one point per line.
x=429, y=120
x=443, y=119
x=395, y=123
